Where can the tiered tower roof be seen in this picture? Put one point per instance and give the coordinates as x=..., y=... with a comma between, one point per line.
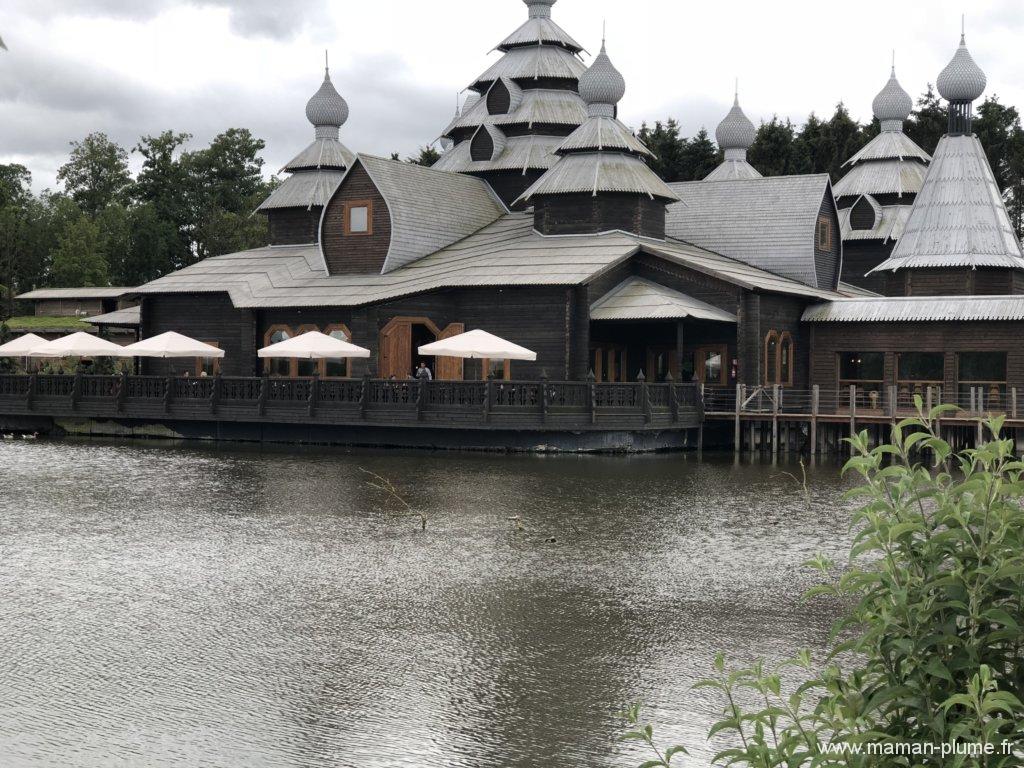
x=735, y=135
x=602, y=155
x=886, y=175
x=529, y=96
x=318, y=169
x=958, y=218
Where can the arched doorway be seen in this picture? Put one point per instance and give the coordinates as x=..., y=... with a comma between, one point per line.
x=401, y=337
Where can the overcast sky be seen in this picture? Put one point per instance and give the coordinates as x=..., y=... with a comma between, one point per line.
x=134, y=67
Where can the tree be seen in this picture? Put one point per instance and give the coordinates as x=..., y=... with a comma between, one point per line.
x=773, y=152
x=113, y=225
x=700, y=157
x=96, y=174
x=669, y=149
x=928, y=123
x=994, y=128
x=6, y=363
x=78, y=259
x=427, y=156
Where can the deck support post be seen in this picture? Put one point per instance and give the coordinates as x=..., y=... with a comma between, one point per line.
x=168, y=393
x=673, y=397
x=815, y=404
x=738, y=438
x=30, y=395
x=928, y=400
x=1013, y=402
x=421, y=397
x=364, y=400
x=76, y=390
x=645, y=398
x=215, y=394
x=973, y=402
x=853, y=414
x=488, y=397
x=776, y=392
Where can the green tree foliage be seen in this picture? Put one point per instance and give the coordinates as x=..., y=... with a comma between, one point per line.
x=427, y=156
x=6, y=364
x=931, y=651
x=96, y=174
x=929, y=121
x=78, y=259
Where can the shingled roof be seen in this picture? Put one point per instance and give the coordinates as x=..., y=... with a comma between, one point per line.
x=508, y=252
x=768, y=223
x=917, y=309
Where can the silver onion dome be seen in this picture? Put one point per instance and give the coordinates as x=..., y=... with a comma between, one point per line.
x=327, y=109
x=540, y=9
x=893, y=105
x=962, y=80
x=602, y=86
x=735, y=131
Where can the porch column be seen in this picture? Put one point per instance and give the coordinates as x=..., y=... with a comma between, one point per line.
x=680, y=347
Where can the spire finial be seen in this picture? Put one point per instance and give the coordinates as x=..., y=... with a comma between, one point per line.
x=604, y=32
x=327, y=62
x=736, y=100
x=894, y=62
x=963, y=29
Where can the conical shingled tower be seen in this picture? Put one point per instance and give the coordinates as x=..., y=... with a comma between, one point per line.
x=521, y=108
x=958, y=238
x=876, y=195
x=600, y=182
x=735, y=135
x=293, y=209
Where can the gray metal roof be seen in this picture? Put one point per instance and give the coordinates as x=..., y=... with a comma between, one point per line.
x=915, y=309
x=604, y=133
x=533, y=63
x=429, y=209
x=596, y=172
x=322, y=153
x=538, y=106
x=327, y=108
x=602, y=86
x=305, y=189
x=508, y=252
x=890, y=221
x=75, y=293
x=131, y=316
x=731, y=170
x=890, y=145
x=638, y=299
x=882, y=177
x=962, y=79
x=521, y=153
x=768, y=223
x=958, y=218
x=539, y=31
x=856, y=291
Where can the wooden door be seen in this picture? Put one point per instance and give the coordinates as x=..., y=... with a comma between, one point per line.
x=395, y=356
x=450, y=368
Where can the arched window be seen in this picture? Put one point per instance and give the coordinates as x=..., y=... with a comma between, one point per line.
x=786, y=359
x=336, y=369
x=301, y=367
x=499, y=99
x=771, y=357
x=862, y=215
x=277, y=366
x=482, y=146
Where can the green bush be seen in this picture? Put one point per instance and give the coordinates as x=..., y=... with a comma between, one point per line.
x=930, y=651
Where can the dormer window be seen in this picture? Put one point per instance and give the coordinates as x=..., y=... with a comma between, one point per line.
x=488, y=143
x=359, y=217
x=504, y=97
x=862, y=215
x=824, y=233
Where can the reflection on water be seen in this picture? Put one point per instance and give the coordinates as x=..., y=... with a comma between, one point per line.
x=205, y=606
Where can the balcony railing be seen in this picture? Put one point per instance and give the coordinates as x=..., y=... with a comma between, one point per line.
x=495, y=404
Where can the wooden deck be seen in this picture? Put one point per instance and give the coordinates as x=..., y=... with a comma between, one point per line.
x=545, y=406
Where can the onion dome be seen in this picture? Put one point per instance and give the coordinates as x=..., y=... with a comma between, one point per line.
x=540, y=9
x=327, y=110
x=602, y=86
x=893, y=105
x=962, y=80
x=735, y=131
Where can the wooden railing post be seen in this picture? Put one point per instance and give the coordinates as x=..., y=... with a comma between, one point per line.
x=775, y=418
x=645, y=398
x=215, y=394
x=673, y=397
x=421, y=397
x=738, y=437
x=30, y=395
x=893, y=398
x=314, y=393
x=928, y=399
x=168, y=393
x=76, y=390
x=1013, y=402
x=121, y=392
x=544, y=402
x=488, y=397
x=364, y=401
x=701, y=407
x=592, y=396
x=972, y=401
x=261, y=403
x=853, y=413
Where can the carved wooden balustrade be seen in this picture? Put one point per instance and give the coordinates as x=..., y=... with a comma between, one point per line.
x=494, y=404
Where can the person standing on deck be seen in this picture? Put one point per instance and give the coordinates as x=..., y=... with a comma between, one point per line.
x=423, y=372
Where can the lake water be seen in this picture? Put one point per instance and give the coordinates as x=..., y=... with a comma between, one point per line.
x=209, y=606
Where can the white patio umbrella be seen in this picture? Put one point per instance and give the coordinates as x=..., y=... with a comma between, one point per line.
x=172, y=344
x=475, y=345
x=78, y=345
x=21, y=346
x=313, y=346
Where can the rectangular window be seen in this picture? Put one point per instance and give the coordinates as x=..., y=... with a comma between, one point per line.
x=359, y=217
x=924, y=367
x=711, y=365
x=861, y=367
x=824, y=233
